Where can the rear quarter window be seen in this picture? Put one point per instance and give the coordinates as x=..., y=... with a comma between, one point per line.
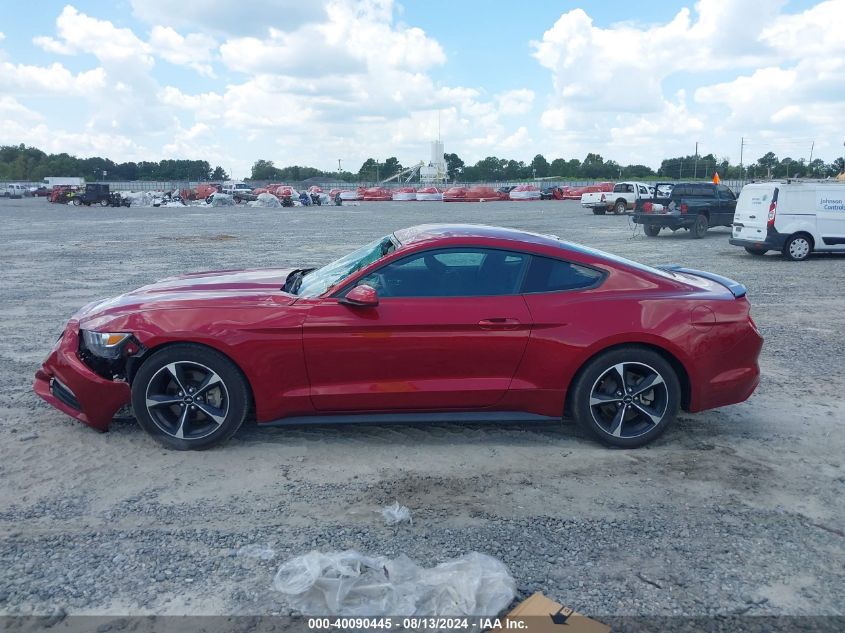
x=554, y=275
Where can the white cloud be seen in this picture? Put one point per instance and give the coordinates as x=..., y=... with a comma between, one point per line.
x=21, y=125
x=80, y=33
x=515, y=102
x=230, y=18
x=194, y=50
x=23, y=79
x=336, y=78
x=307, y=82
x=784, y=75
x=13, y=112
x=516, y=141
x=307, y=52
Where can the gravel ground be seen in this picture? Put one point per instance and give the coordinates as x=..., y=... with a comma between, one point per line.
x=737, y=510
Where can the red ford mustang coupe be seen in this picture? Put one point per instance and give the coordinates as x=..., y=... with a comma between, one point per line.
x=435, y=322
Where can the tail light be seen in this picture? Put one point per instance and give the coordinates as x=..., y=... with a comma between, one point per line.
x=773, y=209
x=684, y=207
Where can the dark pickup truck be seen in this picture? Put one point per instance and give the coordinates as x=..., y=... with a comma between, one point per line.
x=694, y=206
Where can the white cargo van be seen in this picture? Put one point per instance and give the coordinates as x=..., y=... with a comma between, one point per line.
x=795, y=218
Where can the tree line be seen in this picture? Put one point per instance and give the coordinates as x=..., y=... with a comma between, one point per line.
x=594, y=166
x=18, y=162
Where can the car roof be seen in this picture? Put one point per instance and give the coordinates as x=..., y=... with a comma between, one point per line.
x=423, y=233
x=433, y=232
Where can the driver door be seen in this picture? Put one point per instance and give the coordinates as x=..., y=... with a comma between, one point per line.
x=448, y=333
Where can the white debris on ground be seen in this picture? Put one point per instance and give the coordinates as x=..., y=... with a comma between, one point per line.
x=222, y=200
x=257, y=551
x=267, y=200
x=352, y=584
x=140, y=198
x=395, y=514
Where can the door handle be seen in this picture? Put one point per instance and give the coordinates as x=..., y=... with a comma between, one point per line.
x=499, y=323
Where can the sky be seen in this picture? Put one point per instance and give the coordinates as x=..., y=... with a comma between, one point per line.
x=313, y=82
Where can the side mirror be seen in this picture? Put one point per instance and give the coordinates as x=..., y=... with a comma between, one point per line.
x=362, y=296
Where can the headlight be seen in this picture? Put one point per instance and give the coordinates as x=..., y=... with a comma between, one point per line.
x=104, y=344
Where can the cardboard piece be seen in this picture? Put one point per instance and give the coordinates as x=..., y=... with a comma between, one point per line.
x=539, y=614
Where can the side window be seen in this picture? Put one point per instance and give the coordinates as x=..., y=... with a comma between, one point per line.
x=643, y=189
x=458, y=272
x=726, y=193
x=552, y=275
x=629, y=188
x=705, y=191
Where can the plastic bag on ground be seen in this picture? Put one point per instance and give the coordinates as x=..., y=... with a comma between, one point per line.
x=267, y=200
x=222, y=200
x=352, y=584
x=139, y=198
x=395, y=514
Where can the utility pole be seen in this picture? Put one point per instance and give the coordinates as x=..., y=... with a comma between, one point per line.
x=741, y=148
x=695, y=171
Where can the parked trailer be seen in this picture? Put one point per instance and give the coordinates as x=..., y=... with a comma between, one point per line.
x=66, y=181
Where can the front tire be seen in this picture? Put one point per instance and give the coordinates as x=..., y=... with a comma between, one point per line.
x=626, y=397
x=190, y=397
x=798, y=248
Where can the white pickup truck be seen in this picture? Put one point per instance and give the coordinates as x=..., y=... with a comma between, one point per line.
x=623, y=197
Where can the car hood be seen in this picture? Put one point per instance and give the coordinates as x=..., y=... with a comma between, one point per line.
x=225, y=288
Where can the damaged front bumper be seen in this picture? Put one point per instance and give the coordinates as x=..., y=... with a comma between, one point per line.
x=67, y=383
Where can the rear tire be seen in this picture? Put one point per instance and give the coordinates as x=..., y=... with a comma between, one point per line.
x=626, y=397
x=597, y=211
x=620, y=207
x=104, y=202
x=756, y=251
x=798, y=247
x=700, y=227
x=651, y=230
x=189, y=397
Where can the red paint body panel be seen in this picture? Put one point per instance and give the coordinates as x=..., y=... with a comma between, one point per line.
x=507, y=353
x=575, y=193
x=377, y=194
x=99, y=398
x=455, y=194
x=413, y=354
